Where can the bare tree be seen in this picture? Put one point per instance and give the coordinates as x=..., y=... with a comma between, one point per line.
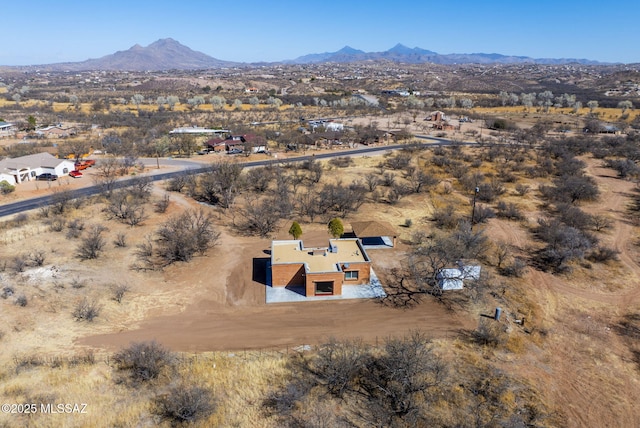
x=107, y=173
x=221, y=184
x=183, y=236
x=259, y=217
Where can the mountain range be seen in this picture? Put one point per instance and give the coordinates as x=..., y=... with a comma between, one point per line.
x=168, y=54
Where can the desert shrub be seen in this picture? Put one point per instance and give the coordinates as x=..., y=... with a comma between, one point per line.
x=19, y=263
x=490, y=333
x=161, y=206
x=75, y=228
x=178, y=183
x=625, y=167
x=86, y=310
x=60, y=200
x=389, y=384
x=341, y=162
x=21, y=219
x=573, y=216
x=573, y=189
x=516, y=269
x=419, y=180
x=483, y=213
x=44, y=211
x=21, y=300
x=564, y=244
x=509, y=211
x=144, y=361
x=121, y=240
x=92, y=244
x=397, y=192
x=602, y=254
x=601, y=222
x=76, y=282
x=126, y=207
x=7, y=291
x=57, y=224
x=119, y=292
x=488, y=192
x=388, y=179
x=372, y=180
x=408, y=222
x=185, y=404
x=37, y=258
x=139, y=188
x=399, y=161
x=522, y=189
x=445, y=218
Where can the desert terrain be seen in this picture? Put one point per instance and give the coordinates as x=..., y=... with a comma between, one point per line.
x=563, y=264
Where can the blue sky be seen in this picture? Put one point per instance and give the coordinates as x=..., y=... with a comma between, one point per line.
x=45, y=31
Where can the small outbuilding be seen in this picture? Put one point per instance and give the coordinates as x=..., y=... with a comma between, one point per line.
x=453, y=278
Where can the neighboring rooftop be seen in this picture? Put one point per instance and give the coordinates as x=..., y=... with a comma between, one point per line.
x=318, y=259
x=37, y=160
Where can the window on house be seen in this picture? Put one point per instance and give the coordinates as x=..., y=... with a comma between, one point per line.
x=65, y=170
x=33, y=173
x=351, y=274
x=324, y=288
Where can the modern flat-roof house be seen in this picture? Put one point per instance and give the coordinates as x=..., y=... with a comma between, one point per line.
x=27, y=168
x=321, y=271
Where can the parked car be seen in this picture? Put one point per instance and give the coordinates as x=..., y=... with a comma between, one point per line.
x=47, y=177
x=80, y=166
x=234, y=151
x=75, y=174
x=89, y=162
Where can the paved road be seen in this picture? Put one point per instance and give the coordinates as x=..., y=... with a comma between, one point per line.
x=195, y=168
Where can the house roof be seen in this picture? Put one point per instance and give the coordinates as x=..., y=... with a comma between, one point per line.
x=364, y=229
x=38, y=160
x=319, y=259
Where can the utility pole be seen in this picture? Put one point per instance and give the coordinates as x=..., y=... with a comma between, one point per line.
x=473, y=209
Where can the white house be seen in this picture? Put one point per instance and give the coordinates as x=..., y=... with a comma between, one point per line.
x=6, y=129
x=27, y=168
x=333, y=126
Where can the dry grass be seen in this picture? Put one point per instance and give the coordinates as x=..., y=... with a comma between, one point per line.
x=109, y=403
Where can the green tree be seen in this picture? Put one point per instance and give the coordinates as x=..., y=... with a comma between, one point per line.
x=295, y=230
x=336, y=229
x=625, y=105
x=6, y=188
x=32, y=122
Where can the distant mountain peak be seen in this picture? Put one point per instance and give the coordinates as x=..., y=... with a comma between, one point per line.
x=163, y=54
x=349, y=50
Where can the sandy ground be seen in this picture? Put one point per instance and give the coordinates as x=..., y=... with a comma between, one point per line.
x=229, y=311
